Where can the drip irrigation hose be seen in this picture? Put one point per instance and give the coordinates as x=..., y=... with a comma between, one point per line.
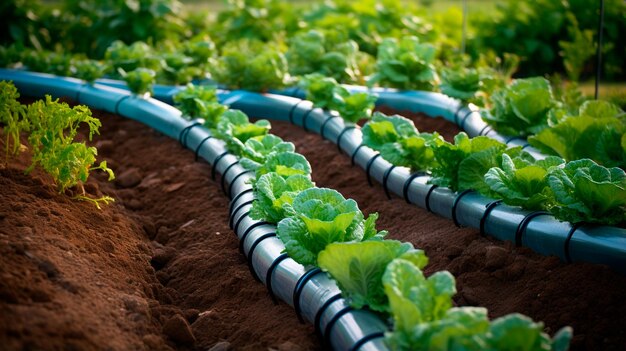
x=216, y=162
x=323, y=127
x=430, y=191
x=270, y=272
x=232, y=215
x=524, y=223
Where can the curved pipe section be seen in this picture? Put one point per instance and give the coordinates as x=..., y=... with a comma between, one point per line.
x=316, y=296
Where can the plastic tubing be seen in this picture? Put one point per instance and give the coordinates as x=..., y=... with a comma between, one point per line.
x=314, y=295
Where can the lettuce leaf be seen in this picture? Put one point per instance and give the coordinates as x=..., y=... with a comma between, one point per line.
x=461, y=83
x=424, y=318
x=521, y=108
x=358, y=268
x=197, y=101
x=235, y=129
x=398, y=141
x=326, y=93
x=518, y=332
x=256, y=150
x=272, y=193
x=523, y=183
x=285, y=164
x=462, y=165
x=320, y=217
x=596, y=134
x=405, y=64
x=587, y=192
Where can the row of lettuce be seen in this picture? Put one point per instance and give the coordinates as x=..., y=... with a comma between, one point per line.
x=319, y=227
x=260, y=45
x=528, y=107
x=51, y=129
x=548, y=35
x=581, y=180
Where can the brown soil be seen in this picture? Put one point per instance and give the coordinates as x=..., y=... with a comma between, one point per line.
x=489, y=273
x=157, y=270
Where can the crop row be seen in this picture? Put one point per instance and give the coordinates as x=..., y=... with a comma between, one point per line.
x=319, y=227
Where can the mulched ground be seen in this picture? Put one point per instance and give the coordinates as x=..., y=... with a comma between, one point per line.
x=161, y=270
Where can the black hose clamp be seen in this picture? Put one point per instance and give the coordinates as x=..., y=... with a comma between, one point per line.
x=270, y=272
x=368, y=167
x=488, y=208
x=524, y=223
x=216, y=162
x=297, y=291
x=456, y=204
x=197, y=151
x=385, y=178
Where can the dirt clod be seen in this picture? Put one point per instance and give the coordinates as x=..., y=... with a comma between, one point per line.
x=179, y=330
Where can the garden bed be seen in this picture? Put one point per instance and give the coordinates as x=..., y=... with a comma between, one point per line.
x=157, y=269
x=187, y=267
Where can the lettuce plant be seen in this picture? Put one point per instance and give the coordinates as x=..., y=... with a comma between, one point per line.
x=460, y=83
x=326, y=93
x=257, y=149
x=321, y=217
x=598, y=133
x=235, y=129
x=251, y=65
x=398, y=142
x=284, y=164
x=198, y=101
x=140, y=80
x=521, y=108
x=405, y=64
x=424, y=318
x=587, y=192
x=126, y=58
x=323, y=52
x=89, y=70
x=358, y=268
x=462, y=165
x=273, y=192
x=522, y=183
